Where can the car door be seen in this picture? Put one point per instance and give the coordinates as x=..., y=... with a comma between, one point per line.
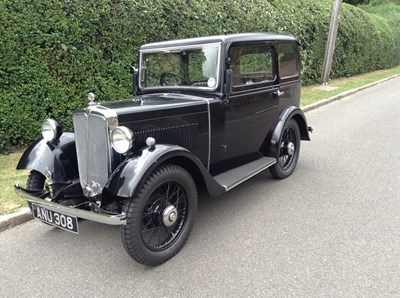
x=253, y=105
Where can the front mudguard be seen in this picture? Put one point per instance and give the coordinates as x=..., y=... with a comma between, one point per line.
x=58, y=158
x=132, y=172
x=290, y=112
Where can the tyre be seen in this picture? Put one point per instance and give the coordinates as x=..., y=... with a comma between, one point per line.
x=35, y=182
x=289, y=150
x=160, y=216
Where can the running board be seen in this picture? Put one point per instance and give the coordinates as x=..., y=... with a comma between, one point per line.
x=234, y=177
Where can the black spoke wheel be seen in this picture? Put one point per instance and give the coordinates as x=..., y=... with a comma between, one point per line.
x=36, y=182
x=160, y=216
x=289, y=149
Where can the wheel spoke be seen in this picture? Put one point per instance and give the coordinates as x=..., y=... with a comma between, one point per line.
x=158, y=235
x=288, y=138
x=144, y=227
x=151, y=233
x=150, y=229
x=167, y=192
x=181, y=209
x=174, y=193
x=181, y=199
x=166, y=233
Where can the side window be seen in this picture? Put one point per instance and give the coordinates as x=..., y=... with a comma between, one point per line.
x=287, y=61
x=251, y=65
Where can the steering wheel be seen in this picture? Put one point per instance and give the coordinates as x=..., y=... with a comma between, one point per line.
x=163, y=82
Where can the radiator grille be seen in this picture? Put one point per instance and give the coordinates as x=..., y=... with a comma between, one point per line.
x=93, y=148
x=182, y=135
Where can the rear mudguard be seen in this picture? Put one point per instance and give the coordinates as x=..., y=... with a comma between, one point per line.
x=59, y=158
x=290, y=112
x=131, y=173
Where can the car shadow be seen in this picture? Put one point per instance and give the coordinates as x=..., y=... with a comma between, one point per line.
x=214, y=213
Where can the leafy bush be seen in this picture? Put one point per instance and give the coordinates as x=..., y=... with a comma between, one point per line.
x=389, y=10
x=53, y=52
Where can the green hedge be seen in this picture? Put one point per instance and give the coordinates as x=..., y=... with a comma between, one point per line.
x=53, y=52
x=390, y=10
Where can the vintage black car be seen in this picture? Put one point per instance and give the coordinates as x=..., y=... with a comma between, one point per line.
x=207, y=112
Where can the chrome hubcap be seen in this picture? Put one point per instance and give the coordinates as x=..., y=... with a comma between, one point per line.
x=170, y=215
x=290, y=148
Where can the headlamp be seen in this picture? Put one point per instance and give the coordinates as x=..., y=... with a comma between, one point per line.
x=51, y=130
x=122, y=139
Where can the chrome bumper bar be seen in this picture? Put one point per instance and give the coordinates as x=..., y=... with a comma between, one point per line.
x=119, y=219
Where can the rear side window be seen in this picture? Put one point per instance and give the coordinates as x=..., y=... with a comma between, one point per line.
x=251, y=65
x=288, y=61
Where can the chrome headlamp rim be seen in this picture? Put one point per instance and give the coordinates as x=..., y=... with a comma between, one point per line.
x=51, y=130
x=122, y=139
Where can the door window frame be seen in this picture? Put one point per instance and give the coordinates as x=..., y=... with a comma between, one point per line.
x=256, y=85
x=297, y=74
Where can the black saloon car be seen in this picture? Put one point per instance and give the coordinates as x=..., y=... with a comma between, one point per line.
x=207, y=112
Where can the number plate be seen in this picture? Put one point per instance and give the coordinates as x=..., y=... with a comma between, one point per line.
x=62, y=221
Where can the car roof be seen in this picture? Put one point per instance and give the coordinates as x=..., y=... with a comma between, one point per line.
x=240, y=37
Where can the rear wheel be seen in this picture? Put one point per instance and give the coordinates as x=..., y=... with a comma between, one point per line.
x=160, y=216
x=289, y=150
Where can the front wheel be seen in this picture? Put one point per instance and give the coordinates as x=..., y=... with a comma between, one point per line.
x=35, y=182
x=289, y=150
x=160, y=216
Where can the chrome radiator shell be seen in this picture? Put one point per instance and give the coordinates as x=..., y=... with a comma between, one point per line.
x=93, y=147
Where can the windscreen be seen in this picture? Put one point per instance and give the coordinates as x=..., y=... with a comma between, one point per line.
x=191, y=67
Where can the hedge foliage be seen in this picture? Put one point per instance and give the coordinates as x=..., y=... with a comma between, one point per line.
x=55, y=51
x=390, y=9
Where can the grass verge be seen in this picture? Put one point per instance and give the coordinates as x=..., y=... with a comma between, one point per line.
x=311, y=94
x=10, y=202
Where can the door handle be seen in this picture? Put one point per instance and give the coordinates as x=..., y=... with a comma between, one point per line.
x=279, y=93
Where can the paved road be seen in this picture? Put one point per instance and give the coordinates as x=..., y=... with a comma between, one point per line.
x=332, y=229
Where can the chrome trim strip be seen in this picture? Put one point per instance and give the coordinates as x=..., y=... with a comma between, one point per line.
x=236, y=94
x=86, y=162
x=209, y=134
x=248, y=177
x=119, y=219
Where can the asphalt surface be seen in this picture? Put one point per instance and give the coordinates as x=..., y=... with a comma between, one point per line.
x=332, y=229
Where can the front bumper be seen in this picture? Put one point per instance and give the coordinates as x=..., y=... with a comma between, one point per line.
x=119, y=219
